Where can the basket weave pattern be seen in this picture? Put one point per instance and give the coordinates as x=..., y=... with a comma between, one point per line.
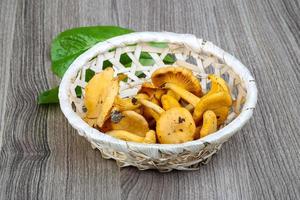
x=145, y=156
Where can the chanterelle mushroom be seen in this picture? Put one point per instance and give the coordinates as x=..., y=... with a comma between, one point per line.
x=169, y=102
x=123, y=104
x=209, y=123
x=173, y=126
x=150, y=137
x=130, y=121
x=100, y=94
x=125, y=135
x=178, y=75
x=148, y=88
x=217, y=84
x=212, y=100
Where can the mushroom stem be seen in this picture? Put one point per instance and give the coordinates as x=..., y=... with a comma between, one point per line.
x=151, y=105
x=186, y=95
x=209, y=123
x=150, y=137
x=169, y=102
x=125, y=135
x=189, y=107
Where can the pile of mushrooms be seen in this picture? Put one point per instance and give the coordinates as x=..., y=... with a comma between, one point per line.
x=171, y=109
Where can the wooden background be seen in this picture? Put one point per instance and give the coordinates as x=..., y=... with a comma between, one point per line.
x=42, y=157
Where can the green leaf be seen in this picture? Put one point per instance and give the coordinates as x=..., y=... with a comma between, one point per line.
x=125, y=60
x=68, y=45
x=78, y=91
x=49, y=96
x=89, y=75
x=169, y=59
x=147, y=61
x=159, y=44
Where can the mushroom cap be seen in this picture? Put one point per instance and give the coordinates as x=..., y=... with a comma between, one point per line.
x=209, y=123
x=210, y=102
x=148, y=88
x=218, y=84
x=100, y=94
x=175, y=126
x=125, y=135
x=132, y=122
x=151, y=90
x=106, y=102
x=95, y=88
x=123, y=104
x=178, y=75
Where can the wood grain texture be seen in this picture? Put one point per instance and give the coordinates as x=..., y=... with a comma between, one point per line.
x=42, y=157
x=7, y=22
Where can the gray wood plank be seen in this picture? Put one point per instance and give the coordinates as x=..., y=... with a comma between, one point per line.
x=7, y=22
x=42, y=157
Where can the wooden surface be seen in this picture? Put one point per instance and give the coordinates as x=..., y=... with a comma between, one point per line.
x=42, y=157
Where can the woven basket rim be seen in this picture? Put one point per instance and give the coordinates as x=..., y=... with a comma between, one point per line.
x=191, y=42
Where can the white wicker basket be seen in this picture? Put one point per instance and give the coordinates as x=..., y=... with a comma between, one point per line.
x=196, y=54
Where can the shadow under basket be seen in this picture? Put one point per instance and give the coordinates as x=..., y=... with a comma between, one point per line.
x=145, y=52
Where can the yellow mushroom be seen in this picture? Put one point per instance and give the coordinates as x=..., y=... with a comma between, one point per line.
x=125, y=135
x=159, y=93
x=149, y=113
x=141, y=96
x=100, y=94
x=129, y=121
x=150, y=137
x=173, y=94
x=123, y=104
x=173, y=126
x=169, y=102
x=189, y=107
x=122, y=77
x=177, y=75
x=94, y=90
x=209, y=101
x=148, y=88
x=90, y=121
x=209, y=123
x=222, y=114
x=139, y=111
x=218, y=84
